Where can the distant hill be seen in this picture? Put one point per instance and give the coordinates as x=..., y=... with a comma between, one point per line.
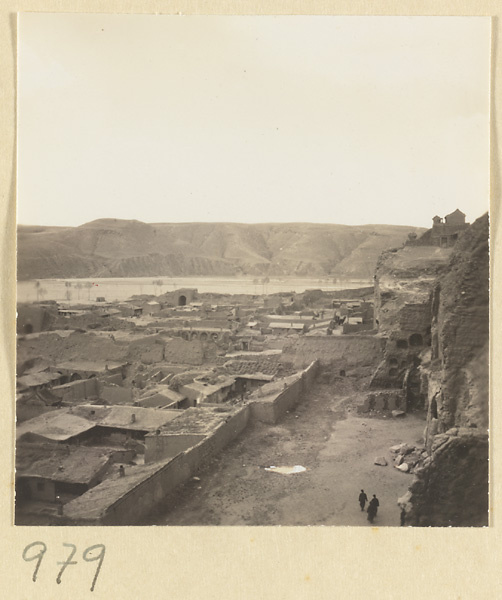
x=120, y=248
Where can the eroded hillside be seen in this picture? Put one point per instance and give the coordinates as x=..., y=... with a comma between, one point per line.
x=117, y=248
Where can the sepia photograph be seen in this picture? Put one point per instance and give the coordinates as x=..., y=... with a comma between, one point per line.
x=253, y=275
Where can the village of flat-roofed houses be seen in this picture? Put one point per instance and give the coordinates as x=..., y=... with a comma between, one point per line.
x=127, y=410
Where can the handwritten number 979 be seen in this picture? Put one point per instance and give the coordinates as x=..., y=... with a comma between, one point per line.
x=37, y=550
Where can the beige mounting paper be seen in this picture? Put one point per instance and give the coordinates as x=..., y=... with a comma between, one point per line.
x=259, y=562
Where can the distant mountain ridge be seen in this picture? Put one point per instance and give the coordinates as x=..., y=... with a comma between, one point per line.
x=129, y=248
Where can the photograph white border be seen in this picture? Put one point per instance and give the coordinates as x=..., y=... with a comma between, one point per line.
x=244, y=562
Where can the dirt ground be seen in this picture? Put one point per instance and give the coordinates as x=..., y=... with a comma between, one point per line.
x=327, y=437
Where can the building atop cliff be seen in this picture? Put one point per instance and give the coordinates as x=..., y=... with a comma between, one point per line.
x=445, y=231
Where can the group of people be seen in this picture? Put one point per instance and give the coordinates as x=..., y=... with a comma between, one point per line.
x=372, y=506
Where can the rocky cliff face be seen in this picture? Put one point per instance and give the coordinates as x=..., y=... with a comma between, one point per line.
x=449, y=309
x=117, y=248
x=403, y=283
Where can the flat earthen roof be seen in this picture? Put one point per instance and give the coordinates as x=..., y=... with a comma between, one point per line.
x=58, y=425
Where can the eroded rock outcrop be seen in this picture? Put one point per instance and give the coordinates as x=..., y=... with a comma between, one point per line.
x=432, y=307
x=451, y=486
x=404, y=280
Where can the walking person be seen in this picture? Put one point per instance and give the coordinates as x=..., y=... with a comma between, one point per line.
x=373, y=508
x=362, y=499
x=375, y=502
x=403, y=517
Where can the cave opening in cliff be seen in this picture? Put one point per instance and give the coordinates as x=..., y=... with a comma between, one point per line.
x=414, y=389
x=182, y=301
x=434, y=409
x=416, y=339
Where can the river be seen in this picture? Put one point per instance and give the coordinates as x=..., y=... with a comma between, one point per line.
x=117, y=289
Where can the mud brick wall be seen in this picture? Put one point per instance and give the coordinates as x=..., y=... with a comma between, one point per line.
x=160, y=447
x=341, y=351
x=355, y=327
x=273, y=408
x=180, y=351
x=77, y=390
x=115, y=394
x=384, y=400
x=150, y=492
x=147, y=351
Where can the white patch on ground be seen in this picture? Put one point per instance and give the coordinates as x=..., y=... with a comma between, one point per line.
x=286, y=470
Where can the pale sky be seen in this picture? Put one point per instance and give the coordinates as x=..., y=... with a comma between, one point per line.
x=349, y=120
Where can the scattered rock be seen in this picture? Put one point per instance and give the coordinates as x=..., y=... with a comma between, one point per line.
x=380, y=460
x=196, y=478
x=398, y=413
x=405, y=449
x=452, y=431
x=395, y=449
x=404, y=467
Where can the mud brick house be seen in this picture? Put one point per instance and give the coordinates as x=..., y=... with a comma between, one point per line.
x=193, y=426
x=94, y=424
x=445, y=231
x=81, y=369
x=181, y=297
x=40, y=380
x=152, y=307
x=216, y=334
x=118, y=424
x=59, y=426
x=162, y=397
x=288, y=327
x=33, y=318
x=77, y=391
x=43, y=472
x=215, y=392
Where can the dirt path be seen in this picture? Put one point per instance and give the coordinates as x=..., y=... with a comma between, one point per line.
x=325, y=435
